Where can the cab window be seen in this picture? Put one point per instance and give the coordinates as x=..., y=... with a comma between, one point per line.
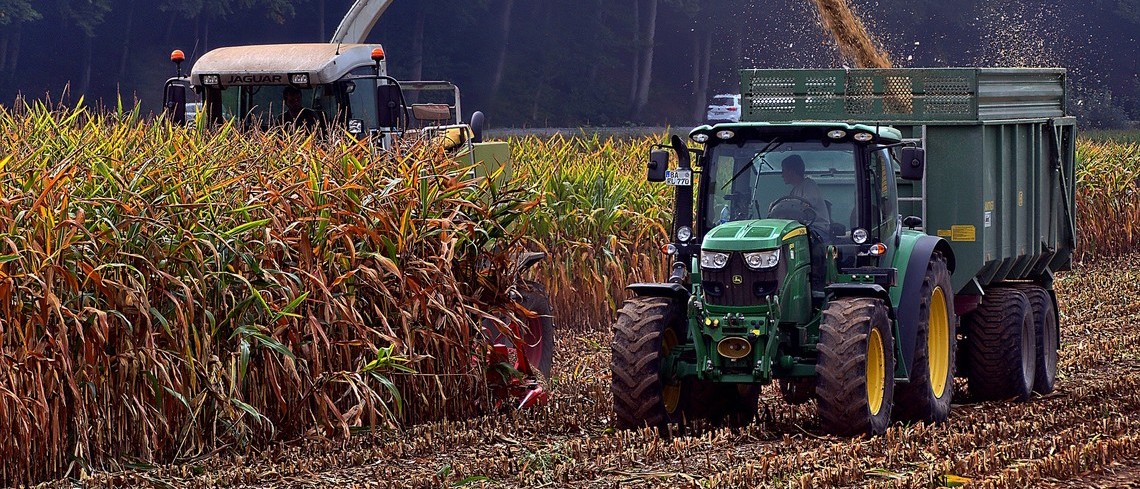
x=884, y=211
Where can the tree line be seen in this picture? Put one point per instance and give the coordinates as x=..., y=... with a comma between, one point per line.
x=571, y=62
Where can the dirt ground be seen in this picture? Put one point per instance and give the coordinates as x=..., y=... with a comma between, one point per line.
x=1085, y=434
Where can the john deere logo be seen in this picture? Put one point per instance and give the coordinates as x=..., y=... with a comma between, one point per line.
x=737, y=279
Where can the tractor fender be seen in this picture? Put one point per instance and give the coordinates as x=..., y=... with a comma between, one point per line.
x=861, y=290
x=668, y=291
x=909, y=300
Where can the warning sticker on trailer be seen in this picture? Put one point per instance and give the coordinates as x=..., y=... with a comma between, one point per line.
x=963, y=233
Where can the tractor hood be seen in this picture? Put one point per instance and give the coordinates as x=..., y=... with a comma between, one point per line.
x=755, y=235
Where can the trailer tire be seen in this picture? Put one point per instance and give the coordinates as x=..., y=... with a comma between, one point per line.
x=1001, y=346
x=647, y=328
x=856, y=368
x=1048, y=340
x=928, y=394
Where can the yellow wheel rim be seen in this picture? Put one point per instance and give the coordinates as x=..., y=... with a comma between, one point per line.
x=875, y=372
x=938, y=342
x=670, y=393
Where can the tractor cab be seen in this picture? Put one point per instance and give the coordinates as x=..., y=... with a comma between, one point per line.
x=837, y=181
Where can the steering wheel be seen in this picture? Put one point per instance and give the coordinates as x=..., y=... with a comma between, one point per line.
x=807, y=212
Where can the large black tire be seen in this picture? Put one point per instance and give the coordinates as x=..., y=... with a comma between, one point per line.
x=927, y=396
x=643, y=397
x=797, y=390
x=1002, y=346
x=538, y=336
x=1048, y=340
x=856, y=368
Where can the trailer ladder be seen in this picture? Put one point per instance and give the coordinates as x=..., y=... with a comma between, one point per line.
x=921, y=143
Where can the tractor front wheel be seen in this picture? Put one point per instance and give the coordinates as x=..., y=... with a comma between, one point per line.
x=927, y=396
x=856, y=368
x=646, y=331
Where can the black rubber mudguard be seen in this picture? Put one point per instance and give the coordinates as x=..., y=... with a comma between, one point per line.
x=912, y=284
x=668, y=291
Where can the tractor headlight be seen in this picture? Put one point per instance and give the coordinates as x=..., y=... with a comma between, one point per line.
x=713, y=260
x=684, y=234
x=762, y=259
x=860, y=236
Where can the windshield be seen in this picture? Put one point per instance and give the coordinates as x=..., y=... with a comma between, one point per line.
x=799, y=180
x=269, y=106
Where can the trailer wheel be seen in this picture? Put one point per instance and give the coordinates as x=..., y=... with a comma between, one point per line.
x=1048, y=341
x=1002, y=346
x=797, y=390
x=647, y=329
x=927, y=396
x=856, y=368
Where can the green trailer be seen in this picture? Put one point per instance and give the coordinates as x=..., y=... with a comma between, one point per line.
x=861, y=237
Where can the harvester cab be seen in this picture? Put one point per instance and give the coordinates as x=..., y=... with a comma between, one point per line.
x=332, y=88
x=827, y=255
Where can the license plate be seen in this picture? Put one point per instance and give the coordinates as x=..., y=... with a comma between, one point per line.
x=679, y=178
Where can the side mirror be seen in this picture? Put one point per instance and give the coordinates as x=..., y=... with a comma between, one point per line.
x=658, y=164
x=913, y=163
x=390, y=107
x=477, y=121
x=174, y=101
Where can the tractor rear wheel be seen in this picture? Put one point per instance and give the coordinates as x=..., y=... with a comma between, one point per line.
x=856, y=368
x=647, y=329
x=1048, y=341
x=927, y=396
x=1002, y=346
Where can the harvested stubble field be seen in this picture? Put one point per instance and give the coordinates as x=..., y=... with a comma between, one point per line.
x=1078, y=436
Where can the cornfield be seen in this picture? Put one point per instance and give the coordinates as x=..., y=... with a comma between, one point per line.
x=166, y=295
x=601, y=222
x=1108, y=198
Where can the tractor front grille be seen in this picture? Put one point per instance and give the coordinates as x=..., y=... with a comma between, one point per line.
x=736, y=285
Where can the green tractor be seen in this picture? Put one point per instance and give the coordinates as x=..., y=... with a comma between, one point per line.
x=794, y=263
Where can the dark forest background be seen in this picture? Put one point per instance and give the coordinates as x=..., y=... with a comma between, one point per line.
x=542, y=63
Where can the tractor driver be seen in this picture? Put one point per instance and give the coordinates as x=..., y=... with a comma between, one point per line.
x=804, y=194
x=295, y=114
